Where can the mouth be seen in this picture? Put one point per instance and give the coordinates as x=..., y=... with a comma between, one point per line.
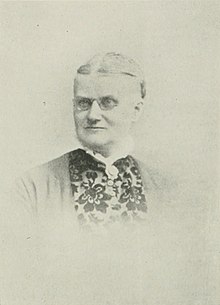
x=95, y=128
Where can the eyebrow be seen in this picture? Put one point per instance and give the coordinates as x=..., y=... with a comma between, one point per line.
x=81, y=97
x=111, y=97
x=91, y=98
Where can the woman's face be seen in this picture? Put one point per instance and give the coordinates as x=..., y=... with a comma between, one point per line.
x=105, y=107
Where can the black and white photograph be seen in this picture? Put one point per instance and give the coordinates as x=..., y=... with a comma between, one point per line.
x=109, y=155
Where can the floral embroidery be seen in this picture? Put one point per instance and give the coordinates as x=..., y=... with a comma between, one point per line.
x=100, y=200
x=94, y=197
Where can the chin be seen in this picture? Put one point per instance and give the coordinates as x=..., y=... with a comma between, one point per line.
x=102, y=146
x=94, y=143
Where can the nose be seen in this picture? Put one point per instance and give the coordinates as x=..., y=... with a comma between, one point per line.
x=95, y=111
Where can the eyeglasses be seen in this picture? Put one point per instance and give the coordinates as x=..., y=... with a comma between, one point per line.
x=105, y=103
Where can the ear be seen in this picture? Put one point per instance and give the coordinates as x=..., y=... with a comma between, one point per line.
x=138, y=108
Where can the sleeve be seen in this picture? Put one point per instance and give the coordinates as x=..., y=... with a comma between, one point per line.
x=19, y=239
x=22, y=207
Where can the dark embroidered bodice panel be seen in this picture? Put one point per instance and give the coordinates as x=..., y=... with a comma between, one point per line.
x=99, y=199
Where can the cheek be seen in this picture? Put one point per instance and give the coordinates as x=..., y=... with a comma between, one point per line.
x=121, y=118
x=79, y=118
x=120, y=124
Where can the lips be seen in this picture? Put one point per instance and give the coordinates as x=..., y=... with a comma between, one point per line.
x=94, y=127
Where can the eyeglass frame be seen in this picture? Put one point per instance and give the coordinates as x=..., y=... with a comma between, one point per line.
x=98, y=100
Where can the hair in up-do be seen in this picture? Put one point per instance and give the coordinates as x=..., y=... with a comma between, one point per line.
x=114, y=63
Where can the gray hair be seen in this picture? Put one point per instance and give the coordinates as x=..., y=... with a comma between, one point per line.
x=114, y=63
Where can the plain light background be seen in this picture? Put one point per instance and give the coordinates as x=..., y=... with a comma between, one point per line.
x=176, y=43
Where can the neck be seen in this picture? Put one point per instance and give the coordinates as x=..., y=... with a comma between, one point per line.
x=106, y=151
x=113, y=150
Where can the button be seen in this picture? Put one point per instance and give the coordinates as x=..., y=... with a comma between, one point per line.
x=110, y=182
x=112, y=170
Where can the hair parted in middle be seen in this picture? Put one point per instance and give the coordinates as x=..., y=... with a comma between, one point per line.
x=114, y=63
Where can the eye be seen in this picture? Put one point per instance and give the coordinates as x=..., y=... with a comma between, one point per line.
x=108, y=102
x=83, y=103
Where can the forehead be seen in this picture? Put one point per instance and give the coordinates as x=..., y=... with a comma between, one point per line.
x=101, y=85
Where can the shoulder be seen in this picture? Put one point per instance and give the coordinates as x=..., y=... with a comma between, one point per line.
x=55, y=168
x=44, y=186
x=40, y=178
x=155, y=179
x=54, y=172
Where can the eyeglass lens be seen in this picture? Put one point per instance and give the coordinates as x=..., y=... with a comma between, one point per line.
x=105, y=103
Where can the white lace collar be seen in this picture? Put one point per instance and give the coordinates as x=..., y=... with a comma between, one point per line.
x=126, y=148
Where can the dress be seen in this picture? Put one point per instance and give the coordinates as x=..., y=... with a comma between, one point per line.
x=76, y=184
